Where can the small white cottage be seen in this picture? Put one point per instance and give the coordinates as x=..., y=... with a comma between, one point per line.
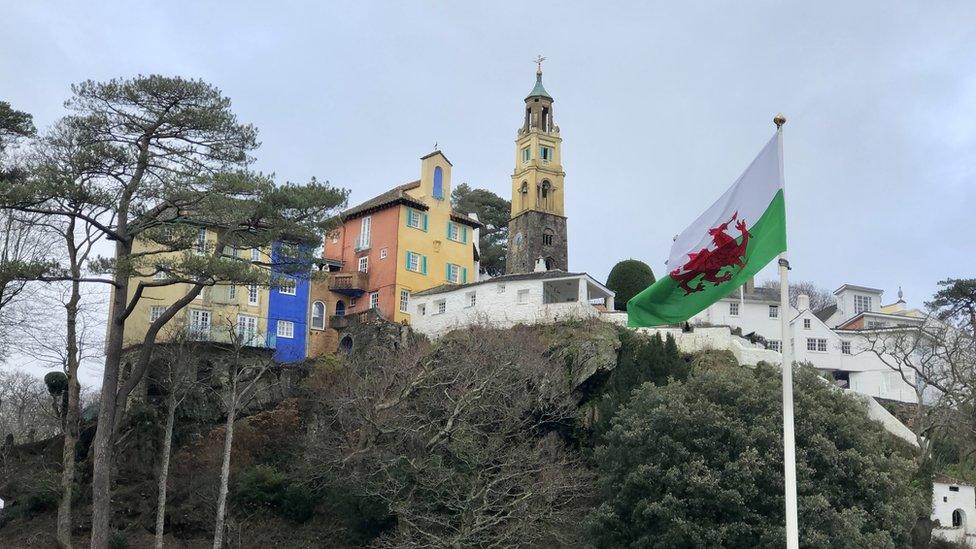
x=954, y=510
x=529, y=298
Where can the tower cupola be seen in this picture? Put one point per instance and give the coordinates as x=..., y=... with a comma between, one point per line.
x=538, y=105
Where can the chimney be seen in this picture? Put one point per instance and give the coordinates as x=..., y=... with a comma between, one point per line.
x=750, y=285
x=802, y=302
x=540, y=265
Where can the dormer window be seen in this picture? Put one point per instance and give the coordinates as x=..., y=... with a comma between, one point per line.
x=862, y=303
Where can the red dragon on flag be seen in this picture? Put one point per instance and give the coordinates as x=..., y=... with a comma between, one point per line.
x=709, y=263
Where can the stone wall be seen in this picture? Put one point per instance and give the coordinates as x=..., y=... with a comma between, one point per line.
x=525, y=250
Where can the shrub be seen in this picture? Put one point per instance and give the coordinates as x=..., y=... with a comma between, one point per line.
x=628, y=278
x=700, y=463
x=57, y=383
x=265, y=486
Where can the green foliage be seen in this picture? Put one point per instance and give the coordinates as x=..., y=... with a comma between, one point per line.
x=956, y=301
x=264, y=486
x=118, y=540
x=700, y=464
x=14, y=125
x=56, y=382
x=628, y=278
x=641, y=359
x=494, y=212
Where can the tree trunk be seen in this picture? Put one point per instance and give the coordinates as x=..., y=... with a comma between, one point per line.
x=225, y=472
x=103, y=445
x=164, y=468
x=71, y=412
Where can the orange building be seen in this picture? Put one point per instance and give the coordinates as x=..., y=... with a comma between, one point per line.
x=405, y=240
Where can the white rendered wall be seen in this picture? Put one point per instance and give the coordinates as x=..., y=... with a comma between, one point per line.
x=753, y=317
x=496, y=306
x=944, y=502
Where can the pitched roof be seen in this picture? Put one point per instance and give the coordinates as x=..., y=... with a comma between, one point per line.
x=542, y=275
x=826, y=312
x=396, y=195
x=539, y=90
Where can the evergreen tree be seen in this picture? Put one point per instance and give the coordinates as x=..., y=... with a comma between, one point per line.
x=700, y=464
x=494, y=212
x=627, y=279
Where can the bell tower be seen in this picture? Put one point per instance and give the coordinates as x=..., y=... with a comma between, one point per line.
x=537, y=228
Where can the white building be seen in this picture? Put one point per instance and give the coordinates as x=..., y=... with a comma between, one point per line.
x=833, y=339
x=504, y=301
x=954, y=509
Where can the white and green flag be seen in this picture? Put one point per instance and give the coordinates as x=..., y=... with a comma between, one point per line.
x=733, y=240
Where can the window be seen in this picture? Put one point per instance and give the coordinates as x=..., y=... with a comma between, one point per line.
x=383, y=252
x=845, y=347
x=440, y=307
x=288, y=286
x=199, y=323
x=817, y=344
x=547, y=235
x=201, y=245
x=422, y=309
x=523, y=297
x=438, y=183
x=472, y=298
x=374, y=300
x=734, y=309
x=453, y=273
x=416, y=219
x=286, y=329
x=318, y=315
x=155, y=312
x=775, y=345
x=247, y=328
x=252, y=294
x=875, y=324
x=340, y=308
x=526, y=154
x=404, y=301
x=454, y=232
x=231, y=293
x=416, y=263
x=774, y=311
x=364, y=264
x=806, y=323
x=501, y=288
x=364, y=233
x=545, y=153
x=862, y=303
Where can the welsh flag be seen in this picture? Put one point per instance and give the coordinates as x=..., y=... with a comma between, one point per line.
x=733, y=240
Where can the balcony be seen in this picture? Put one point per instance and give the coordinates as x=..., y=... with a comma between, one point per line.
x=222, y=335
x=341, y=322
x=350, y=284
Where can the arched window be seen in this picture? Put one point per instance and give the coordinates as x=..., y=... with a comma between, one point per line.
x=958, y=518
x=549, y=264
x=524, y=192
x=547, y=236
x=340, y=309
x=318, y=315
x=545, y=193
x=438, y=183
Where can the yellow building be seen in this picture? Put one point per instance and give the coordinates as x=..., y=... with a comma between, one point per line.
x=405, y=240
x=215, y=314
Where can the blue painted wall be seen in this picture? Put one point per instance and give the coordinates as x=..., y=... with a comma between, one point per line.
x=287, y=307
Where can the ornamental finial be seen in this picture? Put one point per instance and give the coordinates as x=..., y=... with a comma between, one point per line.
x=538, y=61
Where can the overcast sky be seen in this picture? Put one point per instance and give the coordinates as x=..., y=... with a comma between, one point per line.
x=660, y=108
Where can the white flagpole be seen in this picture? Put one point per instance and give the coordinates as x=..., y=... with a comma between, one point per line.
x=789, y=440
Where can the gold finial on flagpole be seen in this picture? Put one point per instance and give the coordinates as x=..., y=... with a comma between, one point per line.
x=779, y=120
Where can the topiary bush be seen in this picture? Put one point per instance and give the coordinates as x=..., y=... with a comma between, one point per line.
x=628, y=278
x=57, y=383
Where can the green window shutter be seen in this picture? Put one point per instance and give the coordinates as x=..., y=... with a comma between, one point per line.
x=447, y=274
x=425, y=222
x=464, y=275
x=448, y=230
x=464, y=235
x=423, y=264
x=407, y=265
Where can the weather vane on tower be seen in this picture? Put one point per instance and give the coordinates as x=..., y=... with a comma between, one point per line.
x=538, y=61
